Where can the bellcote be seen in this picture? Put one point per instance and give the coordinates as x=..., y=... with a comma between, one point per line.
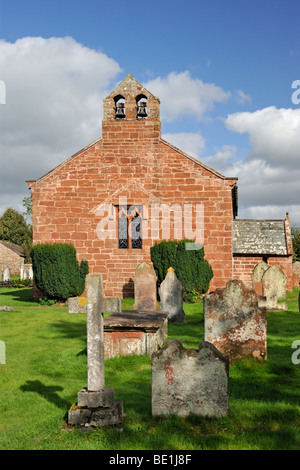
x=130, y=101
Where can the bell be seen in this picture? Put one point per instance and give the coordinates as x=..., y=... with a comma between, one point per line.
x=142, y=111
x=120, y=110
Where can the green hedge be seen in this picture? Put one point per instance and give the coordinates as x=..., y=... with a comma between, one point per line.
x=56, y=270
x=192, y=270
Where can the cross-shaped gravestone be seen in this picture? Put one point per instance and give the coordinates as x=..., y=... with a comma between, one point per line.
x=96, y=405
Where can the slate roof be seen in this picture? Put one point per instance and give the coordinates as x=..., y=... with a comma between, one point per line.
x=12, y=246
x=264, y=237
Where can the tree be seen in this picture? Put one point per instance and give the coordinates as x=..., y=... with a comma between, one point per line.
x=190, y=266
x=13, y=228
x=296, y=245
x=27, y=204
x=57, y=272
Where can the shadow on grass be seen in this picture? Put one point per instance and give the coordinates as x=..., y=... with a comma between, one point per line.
x=49, y=392
x=18, y=295
x=71, y=329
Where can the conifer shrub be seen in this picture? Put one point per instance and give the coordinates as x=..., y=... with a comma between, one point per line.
x=56, y=270
x=191, y=268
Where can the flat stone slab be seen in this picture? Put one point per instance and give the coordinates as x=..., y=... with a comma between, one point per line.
x=150, y=319
x=135, y=333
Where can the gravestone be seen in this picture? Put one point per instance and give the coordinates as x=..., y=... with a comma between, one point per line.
x=296, y=274
x=96, y=405
x=189, y=381
x=6, y=274
x=234, y=322
x=110, y=304
x=171, y=294
x=25, y=274
x=145, y=296
x=274, y=288
x=30, y=273
x=257, y=276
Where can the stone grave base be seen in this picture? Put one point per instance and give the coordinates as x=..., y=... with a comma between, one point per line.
x=134, y=333
x=96, y=409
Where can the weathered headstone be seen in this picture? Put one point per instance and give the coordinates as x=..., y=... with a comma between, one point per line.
x=296, y=274
x=274, y=288
x=25, y=274
x=171, y=294
x=30, y=273
x=257, y=276
x=96, y=405
x=6, y=274
x=145, y=296
x=189, y=381
x=234, y=323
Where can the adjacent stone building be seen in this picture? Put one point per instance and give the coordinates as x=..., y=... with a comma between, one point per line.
x=12, y=256
x=117, y=196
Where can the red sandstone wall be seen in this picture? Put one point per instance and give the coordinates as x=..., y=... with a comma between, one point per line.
x=243, y=267
x=131, y=160
x=65, y=202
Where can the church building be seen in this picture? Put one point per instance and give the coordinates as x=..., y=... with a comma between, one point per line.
x=130, y=188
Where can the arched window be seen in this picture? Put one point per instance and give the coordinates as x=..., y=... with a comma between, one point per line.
x=141, y=103
x=130, y=227
x=120, y=107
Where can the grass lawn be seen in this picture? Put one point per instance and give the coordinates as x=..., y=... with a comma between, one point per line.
x=46, y=367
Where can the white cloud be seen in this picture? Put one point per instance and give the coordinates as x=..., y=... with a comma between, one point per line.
x=269, y=177
x=222, y=158
x=242, y=98
x=181, y=96
x=274, y=134
x=191, y=143
x=54, y=90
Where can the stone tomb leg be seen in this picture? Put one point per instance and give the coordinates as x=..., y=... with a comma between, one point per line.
x=96, y=405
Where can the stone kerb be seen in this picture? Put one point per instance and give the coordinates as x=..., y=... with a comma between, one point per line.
x=171, y=297
x=189, y=381
x=234, y=322
x=274, y=288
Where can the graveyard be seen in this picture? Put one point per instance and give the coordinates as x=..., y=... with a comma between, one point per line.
x=46, y=367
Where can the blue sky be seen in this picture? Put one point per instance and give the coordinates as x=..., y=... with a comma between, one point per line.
x=222, y=69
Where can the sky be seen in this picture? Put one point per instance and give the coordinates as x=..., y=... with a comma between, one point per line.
x=227, y=73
